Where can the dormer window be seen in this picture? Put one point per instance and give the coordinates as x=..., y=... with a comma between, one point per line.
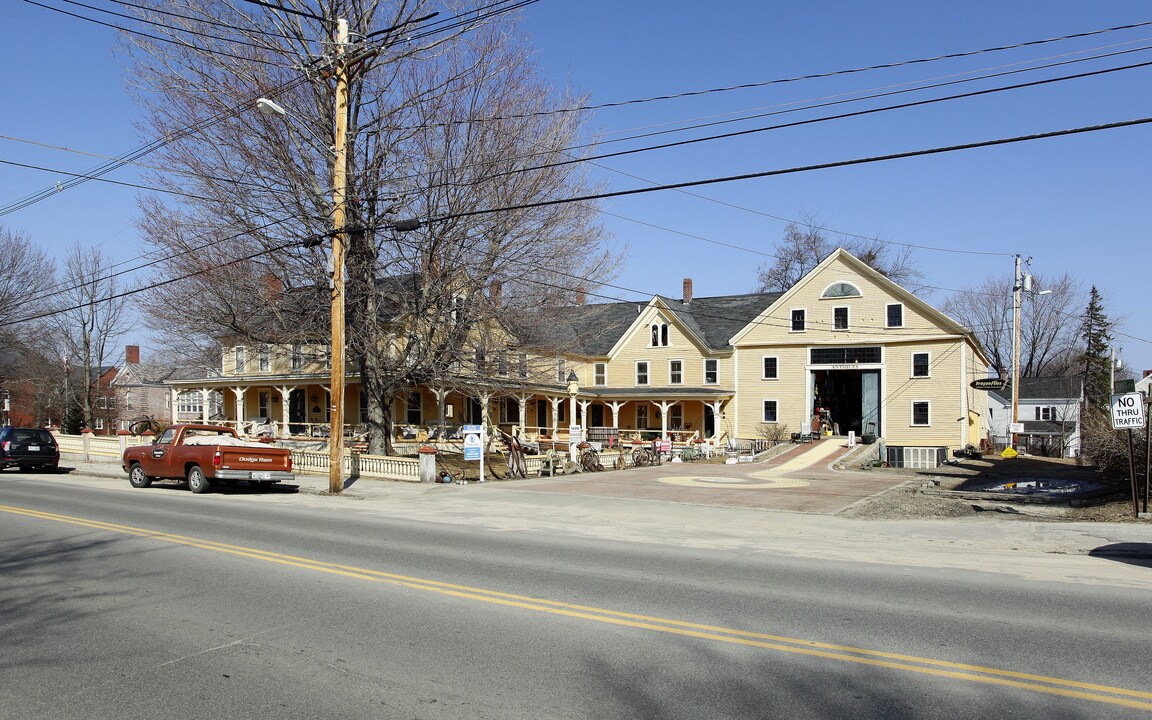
x=841, y=290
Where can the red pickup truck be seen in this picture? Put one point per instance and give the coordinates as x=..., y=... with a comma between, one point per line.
x=204, y=454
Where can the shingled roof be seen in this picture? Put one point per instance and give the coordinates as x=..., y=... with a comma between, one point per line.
x=593, y=330
x=1043, y=388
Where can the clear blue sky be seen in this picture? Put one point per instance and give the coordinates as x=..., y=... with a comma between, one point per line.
x=1074, y=204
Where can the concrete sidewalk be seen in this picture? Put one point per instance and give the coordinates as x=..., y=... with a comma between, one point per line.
x=1107, y=553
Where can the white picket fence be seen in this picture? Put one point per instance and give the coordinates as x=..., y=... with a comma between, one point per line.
x=92, y=447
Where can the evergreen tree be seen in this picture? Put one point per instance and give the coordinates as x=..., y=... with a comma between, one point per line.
x=1097, y=335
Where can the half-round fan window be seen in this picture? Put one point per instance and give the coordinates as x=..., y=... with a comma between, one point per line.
x=841, y=290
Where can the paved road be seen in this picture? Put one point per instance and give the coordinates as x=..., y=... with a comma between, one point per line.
x=490, y=601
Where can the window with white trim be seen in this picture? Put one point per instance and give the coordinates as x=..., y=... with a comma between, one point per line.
x=711, y=371
x=675, y=372
x=921, y=413
x=921, y=365
x=771, y=413
x=190, y=402
x=642, y=416
x=659, y=335
x=894, y=315
x=263, y=404
x=240, y=360
x=297, y=356
x=799, y=319
x=641, y=372
x=840, y=318
x=771, y=368
x=265, y=359
x=600, y=374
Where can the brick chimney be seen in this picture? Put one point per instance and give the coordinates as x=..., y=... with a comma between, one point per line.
x=131, y=354
x=581, y=299
x=687, y=291
x=1147, y=373
x=273, y=286
x=495, y=293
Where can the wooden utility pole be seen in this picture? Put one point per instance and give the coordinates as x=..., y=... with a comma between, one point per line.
x=339, y=237
x=1017, y=286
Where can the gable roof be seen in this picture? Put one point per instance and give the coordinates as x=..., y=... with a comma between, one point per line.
x=894, y=289
x=593, y=330
x=716, y=320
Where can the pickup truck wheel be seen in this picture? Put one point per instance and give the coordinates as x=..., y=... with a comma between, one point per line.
x=197, y=483
x=137, y=478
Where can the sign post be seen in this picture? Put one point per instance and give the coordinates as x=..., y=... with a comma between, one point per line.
x=1128, y=414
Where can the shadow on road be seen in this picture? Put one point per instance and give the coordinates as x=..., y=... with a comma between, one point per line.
x=1133, y=553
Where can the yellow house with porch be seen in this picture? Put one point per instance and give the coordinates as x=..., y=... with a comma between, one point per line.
x=843, y=351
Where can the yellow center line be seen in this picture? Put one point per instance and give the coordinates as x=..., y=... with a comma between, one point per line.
x=845, y=653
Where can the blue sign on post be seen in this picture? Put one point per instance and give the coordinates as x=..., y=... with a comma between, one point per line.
x=472, y=447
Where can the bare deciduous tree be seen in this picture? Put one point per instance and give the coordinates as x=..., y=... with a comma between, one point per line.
x=1048, y=323
x=805, y=246
x=90, y=320
x=441, y=127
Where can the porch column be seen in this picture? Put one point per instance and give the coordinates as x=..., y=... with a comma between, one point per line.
x=522, y=403
x=717, y=416
x=584, y=415
x=616, y=406
x=665, y=406
x=175, y=405
x=284, y=391
x=555, y=414
x=239, y=393
x=205, y=394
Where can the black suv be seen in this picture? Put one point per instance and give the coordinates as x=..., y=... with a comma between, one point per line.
x=28, y=448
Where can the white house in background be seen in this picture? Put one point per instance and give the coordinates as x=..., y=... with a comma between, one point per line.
x=1144, y=384
x=1049, y=410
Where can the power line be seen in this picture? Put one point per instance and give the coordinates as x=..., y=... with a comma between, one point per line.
x=798, y=169
x=832, y=73
x=890, y=93
x=171, y=27
x=281, y=8
x=826, y=118
x=201, y=20
x=151, y=37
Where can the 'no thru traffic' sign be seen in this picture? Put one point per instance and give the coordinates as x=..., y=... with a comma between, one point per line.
x=1127, y=411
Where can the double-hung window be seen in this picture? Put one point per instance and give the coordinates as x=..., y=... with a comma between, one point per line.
x=600, y=374
x=642, y=372
x=895, y=315
x=840, y=318
x=921, y=365
x=675, y=372
x=711, y=372
x=771, y=413
x=771, y=368
x=921, y=413
x=799, y=317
